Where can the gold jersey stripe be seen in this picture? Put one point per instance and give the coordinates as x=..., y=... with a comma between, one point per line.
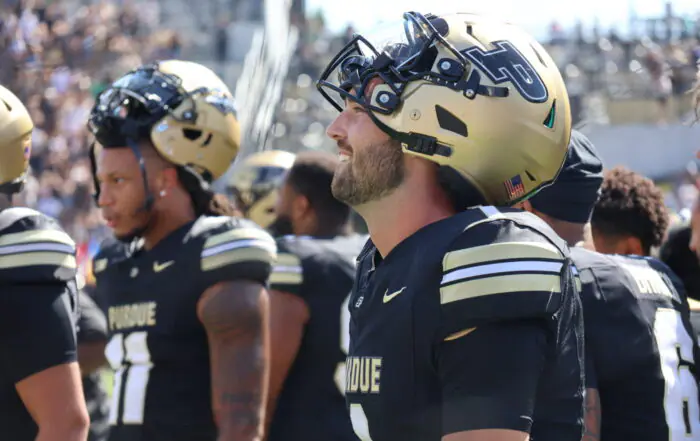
x=41, y=258
x=238, y=255
x=286, y=278
x=498, y=251
x=236, y=234
x=577, y=279
x=287, y=259
x=499, y=285
x=31, y=236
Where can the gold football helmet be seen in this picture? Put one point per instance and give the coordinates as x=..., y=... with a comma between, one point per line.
x=184, y=109
x=464, y=91
x=15, y=142
x=255, y=184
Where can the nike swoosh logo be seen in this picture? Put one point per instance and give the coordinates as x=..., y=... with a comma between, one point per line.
x=158, y=267
x=389, y=297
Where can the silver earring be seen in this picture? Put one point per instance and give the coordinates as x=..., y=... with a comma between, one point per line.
x=162, y=193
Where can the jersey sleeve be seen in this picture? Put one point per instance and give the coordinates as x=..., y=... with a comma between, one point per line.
x=238, y=252
x=288, y=270
x=498, y=271
x=489, y=376
x=34, y=249
x=37, y=329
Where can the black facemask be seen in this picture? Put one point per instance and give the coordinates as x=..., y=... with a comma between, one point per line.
x=281, y=226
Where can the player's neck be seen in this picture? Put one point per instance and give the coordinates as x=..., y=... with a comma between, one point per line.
x=571, y=232
x=167, y=222
x=406, y=210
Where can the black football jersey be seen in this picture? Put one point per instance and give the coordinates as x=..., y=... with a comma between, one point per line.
x=472, y=322
x=38, y=309
x=311, y=405
x=158, y=347
x=642, y=352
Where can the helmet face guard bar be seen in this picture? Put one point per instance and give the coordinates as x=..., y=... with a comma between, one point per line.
x=133, y=104
x=396, y=61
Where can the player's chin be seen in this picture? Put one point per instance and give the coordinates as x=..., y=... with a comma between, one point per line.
x=119, y=229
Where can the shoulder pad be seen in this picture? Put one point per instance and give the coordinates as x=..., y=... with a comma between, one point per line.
x=229, y=240
x=586, y=259
x=206, y=224
x=505, y=265
x=523, y=219
x=34, y=248
x=288, y=268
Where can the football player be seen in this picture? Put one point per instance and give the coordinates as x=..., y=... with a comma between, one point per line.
x=41, y=395
x=185, y=282
x=465, y=323
x=254, y=182
x=636, y=319
x=310, y=286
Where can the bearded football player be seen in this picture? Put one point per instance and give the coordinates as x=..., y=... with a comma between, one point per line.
x=637, y=320
x=41, y=394
x=465, y=323
x=185, y=282
x=255, y=182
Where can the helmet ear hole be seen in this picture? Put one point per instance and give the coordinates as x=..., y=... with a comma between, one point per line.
x=191, y=134
x=7, y=106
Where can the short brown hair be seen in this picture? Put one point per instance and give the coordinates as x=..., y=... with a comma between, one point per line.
x=311, y=176
x=631, y=205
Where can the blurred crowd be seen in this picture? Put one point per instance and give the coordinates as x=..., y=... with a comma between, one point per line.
x=57, y=55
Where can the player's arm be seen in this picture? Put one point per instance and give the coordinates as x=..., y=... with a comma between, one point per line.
x=39, y=331
x=592, y=415
x=289, y=314
x=235, y=316
x=490, y=397
x=500, y=282
x=234, y=311
x=92, y=335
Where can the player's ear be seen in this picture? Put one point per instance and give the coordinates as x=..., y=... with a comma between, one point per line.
x=166, y=180
x=300, y=206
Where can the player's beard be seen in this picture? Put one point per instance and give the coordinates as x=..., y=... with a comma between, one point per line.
x=369, y=174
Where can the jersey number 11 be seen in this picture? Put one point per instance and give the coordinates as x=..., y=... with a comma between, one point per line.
x=129, y=357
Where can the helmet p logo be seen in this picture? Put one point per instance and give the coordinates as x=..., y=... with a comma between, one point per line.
x=507, y=64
